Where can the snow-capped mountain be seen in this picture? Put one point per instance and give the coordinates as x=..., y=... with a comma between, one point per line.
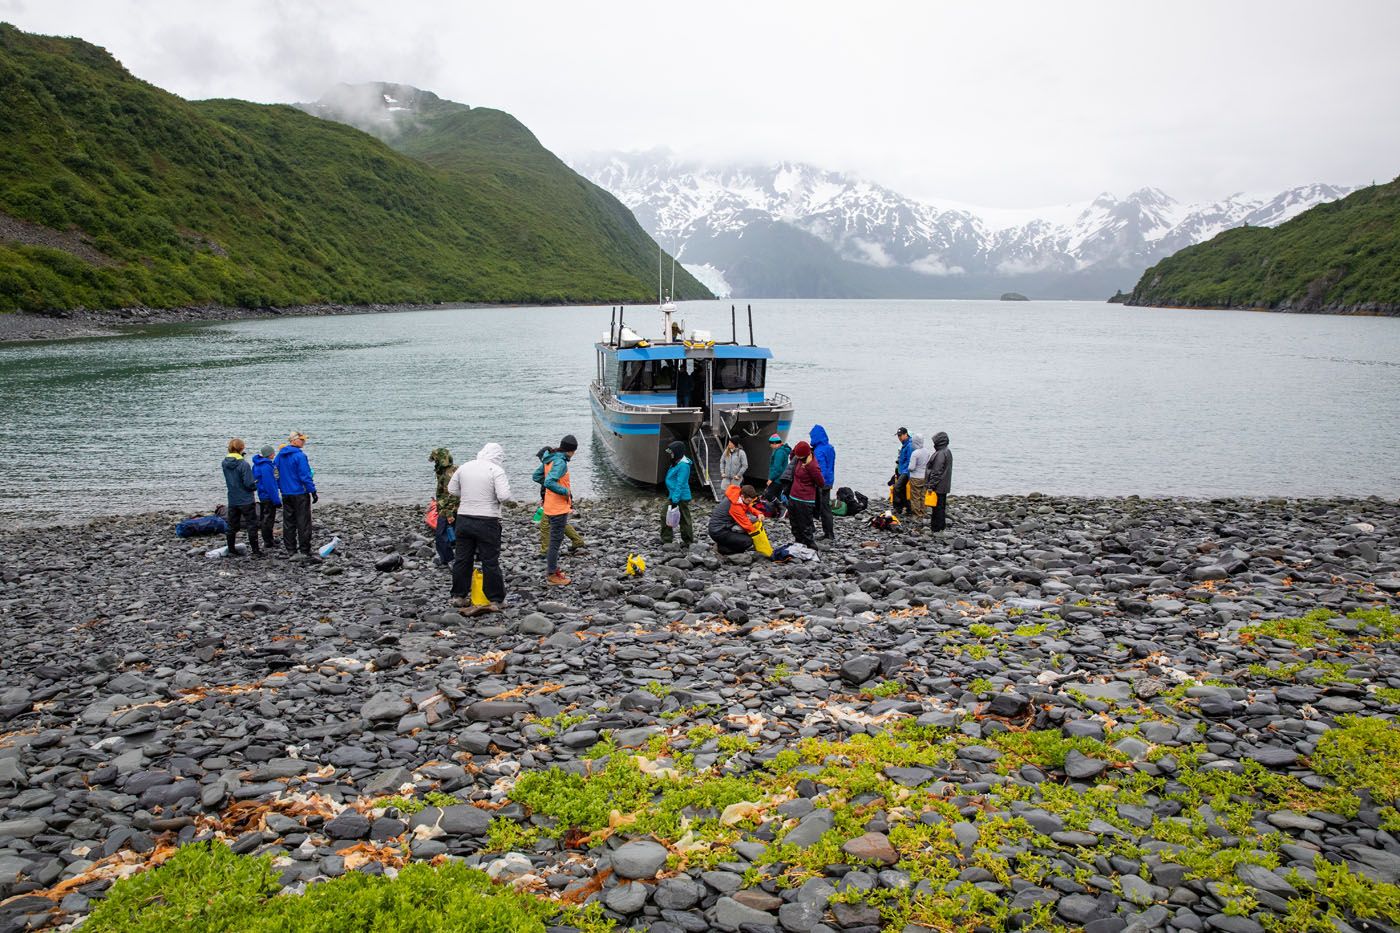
x=760, y=230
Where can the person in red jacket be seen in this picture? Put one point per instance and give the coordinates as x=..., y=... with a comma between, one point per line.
x=807, y=485
x=734, y=520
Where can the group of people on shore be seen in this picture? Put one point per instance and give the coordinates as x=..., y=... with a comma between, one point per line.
x=801, y=479
x=258, y=488
x=466, y=508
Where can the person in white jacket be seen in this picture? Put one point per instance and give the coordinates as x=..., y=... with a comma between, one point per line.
x=918, y=463
x=482, y=486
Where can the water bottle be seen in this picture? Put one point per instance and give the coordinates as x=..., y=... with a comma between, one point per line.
x=329, y=548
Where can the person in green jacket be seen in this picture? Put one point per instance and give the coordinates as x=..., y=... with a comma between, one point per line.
x=777, y=466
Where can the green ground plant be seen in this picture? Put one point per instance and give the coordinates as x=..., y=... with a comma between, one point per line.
x=205, y=888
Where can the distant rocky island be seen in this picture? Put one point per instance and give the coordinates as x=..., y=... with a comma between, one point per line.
x=1013, y=296
x=1337, y=258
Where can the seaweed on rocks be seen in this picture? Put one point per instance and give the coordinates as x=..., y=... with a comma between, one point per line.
x=1059, y=714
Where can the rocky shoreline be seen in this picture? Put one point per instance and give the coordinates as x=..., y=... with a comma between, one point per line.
x=61, y=325
x=1062, y=714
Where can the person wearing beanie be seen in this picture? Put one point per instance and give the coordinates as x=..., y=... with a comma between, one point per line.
x=807, y=486
x=678, y=495
x=733, y=464
x=779, y=476
x=734, y=521
x=269, y=499
x=553, y=475
x=238, y=477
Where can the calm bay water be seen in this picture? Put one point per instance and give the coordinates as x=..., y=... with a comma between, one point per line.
x=1056, y=397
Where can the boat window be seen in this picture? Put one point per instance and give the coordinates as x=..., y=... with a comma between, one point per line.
x=648, y=376
x=731, y=375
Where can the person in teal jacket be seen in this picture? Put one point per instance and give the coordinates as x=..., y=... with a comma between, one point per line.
x=678, y=494
x=777, y=466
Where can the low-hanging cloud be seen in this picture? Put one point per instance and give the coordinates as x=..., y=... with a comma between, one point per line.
x=1009, y=105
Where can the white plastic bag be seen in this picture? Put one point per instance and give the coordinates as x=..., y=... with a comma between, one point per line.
x=673, y=517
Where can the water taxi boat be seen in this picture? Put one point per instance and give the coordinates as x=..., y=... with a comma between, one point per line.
x=685, y=387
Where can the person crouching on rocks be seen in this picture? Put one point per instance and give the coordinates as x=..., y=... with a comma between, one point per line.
x=734, y=520
x=553, y=475
x=298, y=492
x=802, y=496
x=269, y=499
x=678, y=495
x=238, y=477
x=939, y=478
x=480, y=486
x=443, y=469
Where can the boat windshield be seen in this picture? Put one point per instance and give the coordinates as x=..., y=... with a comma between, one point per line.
x=648, y=376
x=739, y=374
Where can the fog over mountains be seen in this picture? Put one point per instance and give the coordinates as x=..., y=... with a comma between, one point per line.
x=792, y=230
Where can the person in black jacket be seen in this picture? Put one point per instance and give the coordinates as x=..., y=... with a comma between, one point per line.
x=939, y=478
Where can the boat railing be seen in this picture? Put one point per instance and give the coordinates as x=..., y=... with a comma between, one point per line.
x=609, y=397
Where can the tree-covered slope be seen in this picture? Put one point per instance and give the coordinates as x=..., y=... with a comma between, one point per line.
x=497, y=151
x=1341, y=257
x=115, y=193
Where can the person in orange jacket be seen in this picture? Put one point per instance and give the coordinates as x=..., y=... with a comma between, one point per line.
x=734, y=520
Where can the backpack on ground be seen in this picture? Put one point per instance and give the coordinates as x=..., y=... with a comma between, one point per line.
x=884, y=521
x=856, y=502
x=201, y=525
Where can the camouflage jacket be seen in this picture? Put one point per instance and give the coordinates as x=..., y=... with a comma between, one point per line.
x=443, y=465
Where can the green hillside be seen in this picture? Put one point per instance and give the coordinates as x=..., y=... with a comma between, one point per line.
x=498, y=152
x=1341, y=257
x=114, y=193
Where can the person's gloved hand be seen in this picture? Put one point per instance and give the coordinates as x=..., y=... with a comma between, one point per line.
x=315, y=497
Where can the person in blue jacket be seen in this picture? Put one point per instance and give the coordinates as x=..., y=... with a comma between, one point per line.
x=269, y=499
x=900, y=481
x=294, y=481
x=238, y=478
x=678, y=494
x=825, y=456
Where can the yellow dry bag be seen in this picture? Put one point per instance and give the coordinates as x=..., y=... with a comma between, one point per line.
x=478, y=590
x=931, y=499
x=760, y=541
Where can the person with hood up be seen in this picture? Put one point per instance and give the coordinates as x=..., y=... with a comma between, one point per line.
x=734, y=520
x=553, y=475
x=733, y=464
x=480, y=487
x=238, y=477
x=825, y=456
x=444, y=469
x=298, y=489
x=938, y=477
x=678, y=495
x=802, y=496
x=918, y=462
x=899, y=483
x=269, y=499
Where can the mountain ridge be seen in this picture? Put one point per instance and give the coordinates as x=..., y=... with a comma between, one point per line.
x=117, y=194
x=1088, y=250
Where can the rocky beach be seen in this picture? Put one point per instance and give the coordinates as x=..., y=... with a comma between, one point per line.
x=1062, y=714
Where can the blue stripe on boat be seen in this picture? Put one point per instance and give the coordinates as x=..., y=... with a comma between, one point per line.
x=667, y=399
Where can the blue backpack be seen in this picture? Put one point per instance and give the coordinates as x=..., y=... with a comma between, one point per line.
x=201, y=525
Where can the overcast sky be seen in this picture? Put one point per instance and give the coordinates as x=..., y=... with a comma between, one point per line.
x=1005, y=104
